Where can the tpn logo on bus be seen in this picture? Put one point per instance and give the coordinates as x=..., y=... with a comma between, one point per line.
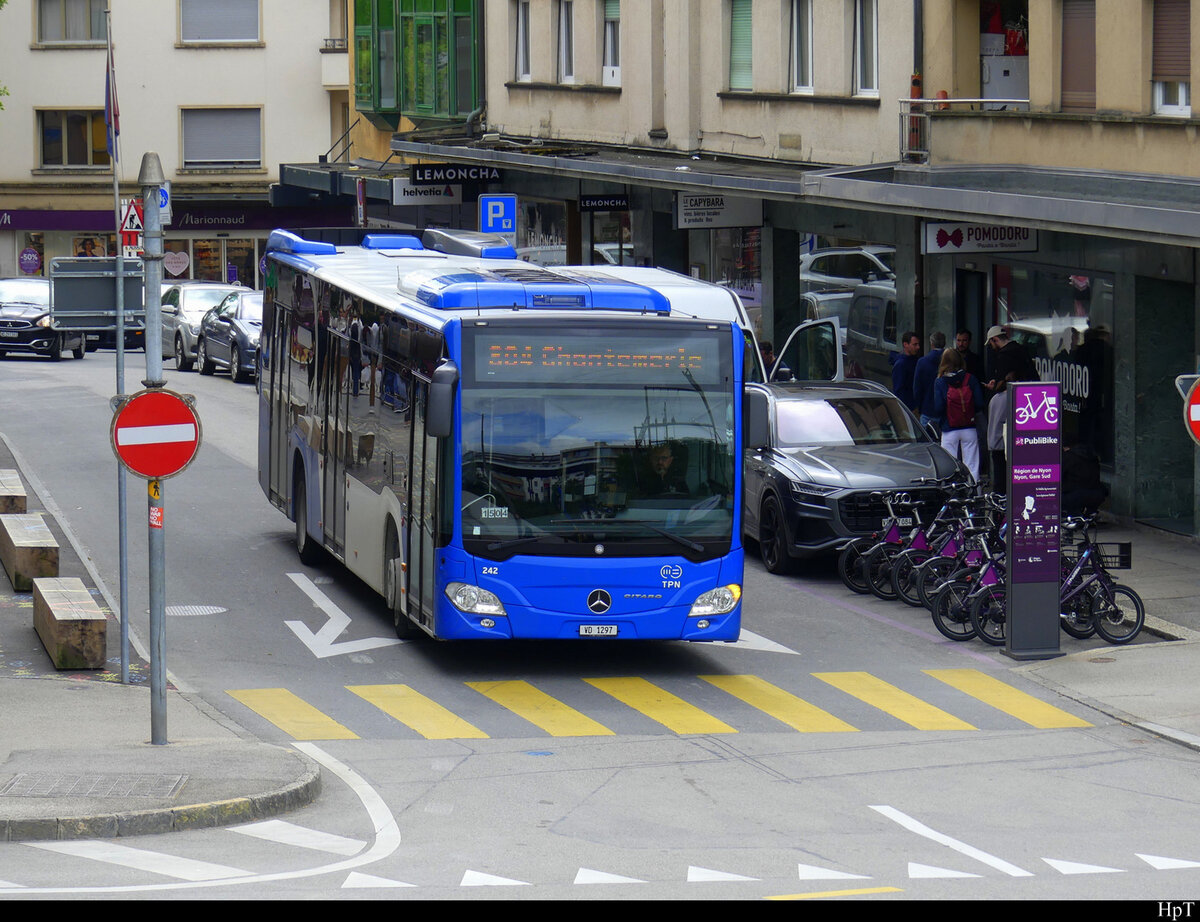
x=671, y=575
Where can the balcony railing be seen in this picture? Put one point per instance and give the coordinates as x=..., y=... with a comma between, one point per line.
x=914, y=120
x=334, y=44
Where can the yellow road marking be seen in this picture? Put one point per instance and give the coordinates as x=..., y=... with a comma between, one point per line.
x=660, y=705
x=1004, y=697
x=540, y=709
x=416, y=711
x=783, y=706
x=828, y=893
x=292, y=714
x=900, y=704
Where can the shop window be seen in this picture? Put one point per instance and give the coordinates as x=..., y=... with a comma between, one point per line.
x=611, y=63
x=221, y=139
x=72, y=139
x=1078, y=56
x=566, y=41
x=866, y=48
x=220, y=21
x=1172, y=57
x=71, y=21
x=741, y=62
x=522, y=70
x=801, y=47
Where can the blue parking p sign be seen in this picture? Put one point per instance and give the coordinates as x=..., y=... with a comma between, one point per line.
x=498, y=214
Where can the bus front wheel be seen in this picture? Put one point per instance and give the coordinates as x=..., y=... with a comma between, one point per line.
x=306, y=547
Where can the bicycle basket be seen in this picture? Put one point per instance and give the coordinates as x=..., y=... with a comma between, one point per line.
x=1116, y=555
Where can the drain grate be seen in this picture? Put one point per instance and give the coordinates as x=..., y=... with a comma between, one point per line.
x=53, y=784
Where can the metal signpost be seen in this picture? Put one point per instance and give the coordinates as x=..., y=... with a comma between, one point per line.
x=1034, y=506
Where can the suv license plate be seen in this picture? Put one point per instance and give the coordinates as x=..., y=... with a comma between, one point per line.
x=597, y=630
x=904, y=521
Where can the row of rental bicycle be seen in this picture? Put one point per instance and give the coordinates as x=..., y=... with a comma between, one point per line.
x=954, y=565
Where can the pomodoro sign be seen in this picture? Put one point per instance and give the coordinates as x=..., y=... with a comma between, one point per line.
x=945, y=237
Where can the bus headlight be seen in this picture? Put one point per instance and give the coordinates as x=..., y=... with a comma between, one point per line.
x=474, y=600
x=716, y=601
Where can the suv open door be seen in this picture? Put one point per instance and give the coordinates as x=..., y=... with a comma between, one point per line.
x=813, y=352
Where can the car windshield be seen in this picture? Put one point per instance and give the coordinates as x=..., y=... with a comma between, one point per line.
x=24, y=291
x=251, y=308
x=197, y=301
x=888, y=258
x=868, y=420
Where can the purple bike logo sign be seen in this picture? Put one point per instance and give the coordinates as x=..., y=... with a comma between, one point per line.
x=1036, y=407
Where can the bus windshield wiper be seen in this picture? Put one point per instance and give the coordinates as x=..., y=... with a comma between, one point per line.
x=678, y=539
x=527, y=539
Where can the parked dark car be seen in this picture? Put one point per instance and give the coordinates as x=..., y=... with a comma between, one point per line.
x=25, y=321
x=184, y=305
x=229, y=335
x=832, y=445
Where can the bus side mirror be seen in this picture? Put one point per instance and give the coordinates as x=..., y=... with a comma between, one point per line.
x=756, y=412
x=439, y=420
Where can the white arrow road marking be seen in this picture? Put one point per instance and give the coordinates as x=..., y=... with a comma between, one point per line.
x=702, y=875
x=588, y=876
x=1168, y=864
x=139, y=859
x=812, y=872
x=941, y=838
x=479, y=879
x=919, y=871
x=356, y=881
x=291, y=834
x=322, y=643
x=1072, y=867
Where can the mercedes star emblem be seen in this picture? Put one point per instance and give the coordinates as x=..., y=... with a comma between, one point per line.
x=599, y=602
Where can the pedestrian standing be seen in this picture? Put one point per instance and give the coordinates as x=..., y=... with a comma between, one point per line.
x=957, y=398
x=904, y=368
x=925, y=374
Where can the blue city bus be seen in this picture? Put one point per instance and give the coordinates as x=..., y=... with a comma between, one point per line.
x=503, y=450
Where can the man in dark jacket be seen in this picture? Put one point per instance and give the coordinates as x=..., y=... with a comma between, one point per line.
x=904, y=368
x=1009, y=356
x=924, y=376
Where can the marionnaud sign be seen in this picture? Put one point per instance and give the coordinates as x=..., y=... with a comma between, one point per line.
x=713, y=209
x=945, y=237
x=436, y=174
x=405, y=193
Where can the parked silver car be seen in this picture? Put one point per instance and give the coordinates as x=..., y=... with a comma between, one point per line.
x=845, y=267
x=184, y=305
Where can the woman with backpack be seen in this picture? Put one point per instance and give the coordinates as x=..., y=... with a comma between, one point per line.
x=957, y=397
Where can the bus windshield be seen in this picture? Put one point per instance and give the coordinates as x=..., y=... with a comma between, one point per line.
x=597, y=439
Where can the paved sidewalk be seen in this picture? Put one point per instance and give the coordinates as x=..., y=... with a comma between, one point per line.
x=75, y=760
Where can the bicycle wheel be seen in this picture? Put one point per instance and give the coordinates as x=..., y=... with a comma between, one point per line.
x=1118, y=613
x=949, y=610
x=850, y=564
x=877, y=568
x=989, y=616
x=931, y=574
x=1077, y=619
x=904, y=575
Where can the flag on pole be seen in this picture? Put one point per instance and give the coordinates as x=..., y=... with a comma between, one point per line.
x=112, y=112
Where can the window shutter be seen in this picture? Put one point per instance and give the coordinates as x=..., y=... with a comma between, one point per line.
x=218, y=20
x=1172, y=41
x=1079, y=56
x=217, y=137
x=741, y=66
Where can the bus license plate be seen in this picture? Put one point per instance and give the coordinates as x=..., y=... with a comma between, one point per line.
x=597, y=630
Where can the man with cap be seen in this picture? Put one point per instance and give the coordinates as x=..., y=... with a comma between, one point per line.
x=1009, y=356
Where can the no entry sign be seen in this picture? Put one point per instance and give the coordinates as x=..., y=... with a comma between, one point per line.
x=156, y=433
x=1191, y=411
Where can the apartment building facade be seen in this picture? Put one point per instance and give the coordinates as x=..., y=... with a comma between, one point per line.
x=222, y=90
x=1047, y=176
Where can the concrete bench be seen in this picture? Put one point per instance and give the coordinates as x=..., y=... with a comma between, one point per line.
x=27, y=550
x=71, y=625
x=12, y=493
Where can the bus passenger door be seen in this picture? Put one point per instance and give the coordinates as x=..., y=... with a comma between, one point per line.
x=422, y=506
x=336, y=436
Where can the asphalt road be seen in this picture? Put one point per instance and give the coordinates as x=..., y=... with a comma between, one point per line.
x=843, y=747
